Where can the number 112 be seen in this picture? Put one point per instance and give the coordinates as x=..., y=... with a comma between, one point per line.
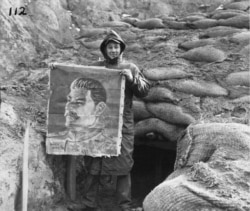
x=22, y=11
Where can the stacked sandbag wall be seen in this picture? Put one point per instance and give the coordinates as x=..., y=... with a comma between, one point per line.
x=204, y=84
x=213, y=151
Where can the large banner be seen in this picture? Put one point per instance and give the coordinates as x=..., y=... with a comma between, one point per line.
x=85, y=111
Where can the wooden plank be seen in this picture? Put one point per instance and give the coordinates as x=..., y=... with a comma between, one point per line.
x=25, y=176
x=158, y=169
x=166, y=145
x=121, y=110
x=71, y=177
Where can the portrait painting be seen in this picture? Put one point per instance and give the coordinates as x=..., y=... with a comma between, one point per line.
x=80, y=121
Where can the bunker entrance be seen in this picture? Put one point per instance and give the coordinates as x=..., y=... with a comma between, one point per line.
x=154, y=161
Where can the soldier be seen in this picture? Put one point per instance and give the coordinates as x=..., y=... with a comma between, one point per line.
x=120, y=166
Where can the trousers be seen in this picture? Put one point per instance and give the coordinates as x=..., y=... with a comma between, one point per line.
x=123, y=190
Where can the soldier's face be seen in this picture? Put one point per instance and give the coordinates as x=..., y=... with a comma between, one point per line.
x=113, y=50
x=80, y=109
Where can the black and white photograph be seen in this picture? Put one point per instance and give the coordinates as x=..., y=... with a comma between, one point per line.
x=125, y=105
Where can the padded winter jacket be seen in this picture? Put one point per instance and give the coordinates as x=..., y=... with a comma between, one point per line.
x=139, y=87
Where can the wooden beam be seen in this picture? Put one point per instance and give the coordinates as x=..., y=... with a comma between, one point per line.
x=25, y=176
x=166, y=145
x=71, y=177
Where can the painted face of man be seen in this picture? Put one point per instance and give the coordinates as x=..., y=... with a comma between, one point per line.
x=80, y=109
x=113, y=49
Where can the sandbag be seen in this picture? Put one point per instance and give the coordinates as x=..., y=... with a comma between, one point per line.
x=239, y=21
x=168, y=131
x=243, y=5
x=197, y=190
x=134, y=47
x=203, y=24
x=239, y=78
x=241, y=38
x=115, y=24
x=152, y=23
x=219, y=31
x=178, y=25
x=90, y=32
x=191, y=18
x=196, y=43
x=223, y=11
x=160, y=94
x=130, y=20
x=225, y=15
x=202, y=140
x=237, y=91
x=204, y=54
x=244, y=99
x=140, y=111
x=245, y=51
x=238, y=0
x=161, y=73
x=170, y=113
x=196, y=88
x=128, y=36
x=212, y=171
x=175, y=195
x=91, y=45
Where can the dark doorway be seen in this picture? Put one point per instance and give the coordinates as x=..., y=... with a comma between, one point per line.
x=152, y=166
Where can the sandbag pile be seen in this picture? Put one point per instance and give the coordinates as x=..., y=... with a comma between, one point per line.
x=175, y=97
x=162, y=111
x=211, y=171
x=180, y=97
x=231, y=23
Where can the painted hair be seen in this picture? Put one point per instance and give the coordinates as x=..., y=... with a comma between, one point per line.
x=98, y=92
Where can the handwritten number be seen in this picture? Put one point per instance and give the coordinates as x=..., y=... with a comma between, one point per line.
x=23, y=11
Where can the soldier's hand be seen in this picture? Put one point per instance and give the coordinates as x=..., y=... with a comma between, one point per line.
x=128, y=74
x=51, y=66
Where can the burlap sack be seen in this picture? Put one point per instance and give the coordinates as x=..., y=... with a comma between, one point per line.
x=204, y=54
x=164, y=73
x=211, y=171
x=196, y=88
x=202, y=140
x=168, y=131
x=140, y=111
x=225, y=14
x=152, y=23
x=239, y=79
x=170, y=113
x=243, y=5
x=219, y=31
x=203, y=23
x=161, y=94
x=196, y=43
x=239, y=21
